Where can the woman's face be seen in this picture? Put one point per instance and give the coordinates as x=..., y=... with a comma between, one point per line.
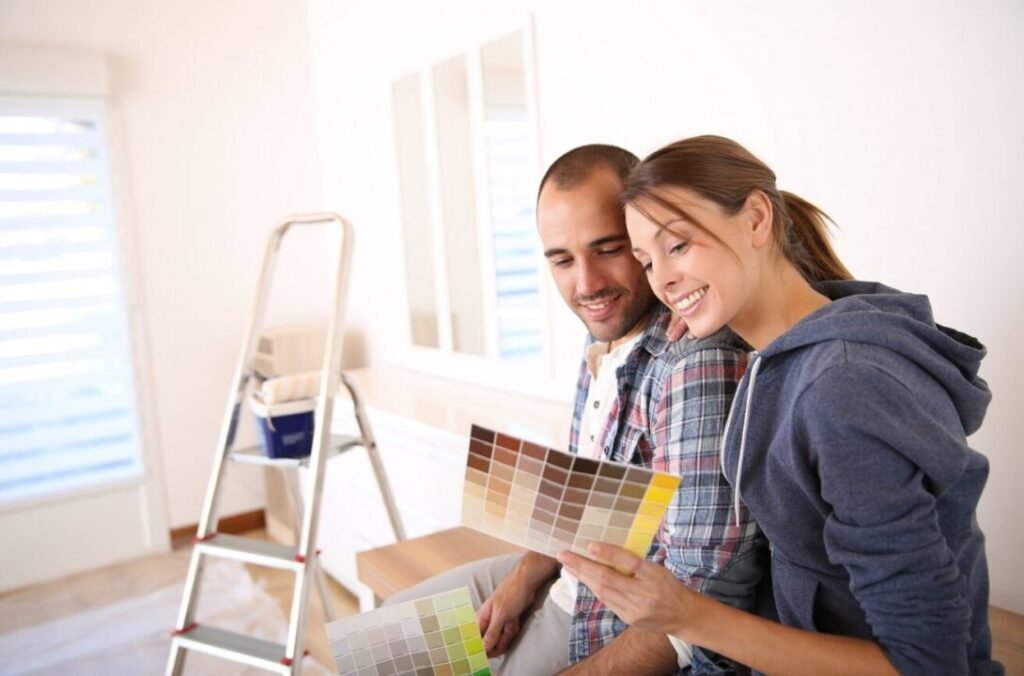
x=702, y=273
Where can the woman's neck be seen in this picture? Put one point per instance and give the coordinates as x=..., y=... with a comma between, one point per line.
x=783, y=298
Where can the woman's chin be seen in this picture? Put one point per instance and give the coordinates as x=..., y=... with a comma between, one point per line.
x=701, y=329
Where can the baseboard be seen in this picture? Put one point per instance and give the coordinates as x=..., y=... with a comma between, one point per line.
x=232, y=525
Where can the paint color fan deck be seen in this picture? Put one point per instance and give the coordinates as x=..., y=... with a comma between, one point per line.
x=433, y=636
x=550, y=501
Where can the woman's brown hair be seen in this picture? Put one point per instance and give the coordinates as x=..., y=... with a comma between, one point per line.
x=725, y=172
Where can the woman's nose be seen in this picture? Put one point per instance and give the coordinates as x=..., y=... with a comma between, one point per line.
x=663, y=278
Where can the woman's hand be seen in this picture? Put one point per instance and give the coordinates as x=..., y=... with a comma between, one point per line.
x=653, y=599
x=650, y=598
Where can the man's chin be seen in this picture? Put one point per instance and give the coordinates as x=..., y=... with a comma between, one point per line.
x=605, y=332
x=619, y=326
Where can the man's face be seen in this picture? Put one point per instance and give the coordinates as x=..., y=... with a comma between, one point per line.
x=585, y=242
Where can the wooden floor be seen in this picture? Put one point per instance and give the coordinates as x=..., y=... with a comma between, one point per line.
x=1008, y=639
x=46, y=602
x=87, y=591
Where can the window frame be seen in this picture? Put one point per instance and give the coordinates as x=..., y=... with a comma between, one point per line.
x=550, y=379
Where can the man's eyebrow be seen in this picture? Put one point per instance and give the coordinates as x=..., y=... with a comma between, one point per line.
x=601, y=241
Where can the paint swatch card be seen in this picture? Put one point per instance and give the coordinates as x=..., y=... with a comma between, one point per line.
x=550, y=501
x=437, y=635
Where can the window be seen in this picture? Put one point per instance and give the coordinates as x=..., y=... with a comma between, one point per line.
x=66, y=377
x=466, y=143
x=511, y=172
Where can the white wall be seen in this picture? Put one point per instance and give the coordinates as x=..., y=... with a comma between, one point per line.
x=901, y=119
x=214, y=121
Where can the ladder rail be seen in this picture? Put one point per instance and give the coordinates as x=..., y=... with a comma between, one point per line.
x=294, y=491
x=375, y=461
x=331, y=373
x=240, y=380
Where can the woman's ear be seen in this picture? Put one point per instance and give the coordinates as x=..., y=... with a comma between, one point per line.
x=759, y=216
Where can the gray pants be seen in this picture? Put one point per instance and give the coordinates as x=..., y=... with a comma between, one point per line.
x=542, y=646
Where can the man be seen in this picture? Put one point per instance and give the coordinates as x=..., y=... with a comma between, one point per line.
x=641, y=399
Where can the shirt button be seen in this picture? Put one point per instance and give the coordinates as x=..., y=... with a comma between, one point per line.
x=591, y=437
x=597, y=404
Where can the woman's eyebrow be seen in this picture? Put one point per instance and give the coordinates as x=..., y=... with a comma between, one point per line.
x=679, y=227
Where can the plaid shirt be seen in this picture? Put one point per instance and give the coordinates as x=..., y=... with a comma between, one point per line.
x=673, y=401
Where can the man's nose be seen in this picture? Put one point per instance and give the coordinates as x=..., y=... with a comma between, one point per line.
x=590, y=279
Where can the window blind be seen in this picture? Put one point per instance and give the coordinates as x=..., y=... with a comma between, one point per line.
x=519, y=309
x=66, y=380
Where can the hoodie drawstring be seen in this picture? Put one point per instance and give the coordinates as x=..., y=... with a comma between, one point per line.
x=743, y=434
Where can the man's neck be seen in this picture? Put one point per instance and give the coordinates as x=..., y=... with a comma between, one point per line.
x=637, y=329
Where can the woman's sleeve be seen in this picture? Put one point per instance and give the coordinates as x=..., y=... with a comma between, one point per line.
x=877, y=448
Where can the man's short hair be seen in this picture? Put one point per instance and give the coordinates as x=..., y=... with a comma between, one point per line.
x=575, y=166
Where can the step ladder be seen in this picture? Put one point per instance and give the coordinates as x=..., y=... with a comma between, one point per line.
x=300, y=558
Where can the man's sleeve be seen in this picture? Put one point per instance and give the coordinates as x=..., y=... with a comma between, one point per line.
x=700, y=541
x=700, y=537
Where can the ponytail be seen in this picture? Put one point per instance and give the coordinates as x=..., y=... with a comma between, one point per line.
x=806, y=242
x=725, y=172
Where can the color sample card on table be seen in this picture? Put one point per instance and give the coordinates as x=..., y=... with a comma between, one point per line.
x=550, y=501
x=433, y=636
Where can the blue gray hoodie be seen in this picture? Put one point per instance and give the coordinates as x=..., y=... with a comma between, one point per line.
x=847, y=441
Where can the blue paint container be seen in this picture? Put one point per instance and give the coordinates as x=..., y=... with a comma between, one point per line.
x=286, y=429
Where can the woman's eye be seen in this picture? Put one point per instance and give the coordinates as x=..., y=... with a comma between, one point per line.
x=677, y=248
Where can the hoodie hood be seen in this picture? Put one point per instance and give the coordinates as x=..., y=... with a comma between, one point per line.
x=874, y=314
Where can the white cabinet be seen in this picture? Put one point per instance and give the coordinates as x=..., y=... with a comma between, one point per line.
x=422, y=426
x=424, y=467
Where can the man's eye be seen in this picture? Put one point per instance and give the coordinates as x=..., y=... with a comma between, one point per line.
x=612, y=251
x=561, y=262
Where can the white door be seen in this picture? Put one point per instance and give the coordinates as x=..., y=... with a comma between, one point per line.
x=78, y=484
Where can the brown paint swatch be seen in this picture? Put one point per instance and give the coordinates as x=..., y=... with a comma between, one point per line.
x=549, y=501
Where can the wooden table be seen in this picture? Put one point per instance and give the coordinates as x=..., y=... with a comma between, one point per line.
x=390, y=569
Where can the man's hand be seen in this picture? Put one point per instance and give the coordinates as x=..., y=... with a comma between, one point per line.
x=676, y=328
x=499, y=616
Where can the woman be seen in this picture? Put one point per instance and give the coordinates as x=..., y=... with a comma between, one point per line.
x=847, y=438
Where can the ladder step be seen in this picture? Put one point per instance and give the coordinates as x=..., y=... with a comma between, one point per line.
x=254, y=455
x=256, y=652
x=250, y=550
